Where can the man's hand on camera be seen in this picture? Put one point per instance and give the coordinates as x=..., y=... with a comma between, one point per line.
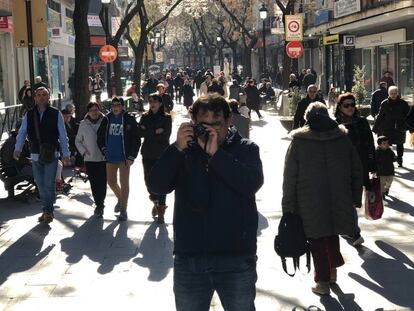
x=212, y=142
x=184, y=136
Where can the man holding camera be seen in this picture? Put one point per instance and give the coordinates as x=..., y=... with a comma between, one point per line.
x=215, y=174
x=45, y=128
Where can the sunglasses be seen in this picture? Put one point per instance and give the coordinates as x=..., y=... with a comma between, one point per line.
x=348, y=105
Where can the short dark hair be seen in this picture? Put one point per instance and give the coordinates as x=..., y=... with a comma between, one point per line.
x=234, y=105
x=117, y=100
x=382, y=139
x=91, y=105
x=155, y=96
x=65, y=111
x=211, y=102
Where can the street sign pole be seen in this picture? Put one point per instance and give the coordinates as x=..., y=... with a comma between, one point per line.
x=30, y=43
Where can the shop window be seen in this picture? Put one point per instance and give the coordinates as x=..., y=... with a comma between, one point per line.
x=387, y=60
x=405, y=71
x=69, y=22
x=370, y=65
x=54, y=16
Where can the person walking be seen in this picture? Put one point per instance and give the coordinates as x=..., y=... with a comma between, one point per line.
x=167, y=102
x=215, y=87
x=87, y=144
x=252, y=98
x=97, y=87
x=385, y=159
x=188, y=93
x=361, y=137
x=20, y=94
x=234, y=90
x=198, y=80
x=44, y=126
x=391, y=121
x=239, y=121
x=322, y=183
x=119, y=142
x=215, y=181
x=311, y=97
x=27, y=102
x=155, y=128
x=205, y=85
x=178, y=84
x=378, y=97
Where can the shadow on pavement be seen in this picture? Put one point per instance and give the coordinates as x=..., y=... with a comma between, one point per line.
x=390, y=276
x=18, y=209
x=26, y=252
x=259, y=123
x=344, y=301
x=400, y=206
x=156, y=252
x=99, y=244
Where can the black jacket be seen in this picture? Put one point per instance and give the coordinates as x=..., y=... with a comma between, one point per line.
x=391, y=120
x=410, y=120
x=376, y=99
x=131, y=138
x=215, y=207
x=299, y=118
x=167, y=102
x=253, y=97
x=359, y=132
x=385, y=162
x=216, y=88
x=154, y=144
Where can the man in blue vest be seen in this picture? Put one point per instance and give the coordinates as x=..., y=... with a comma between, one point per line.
x=45, y=129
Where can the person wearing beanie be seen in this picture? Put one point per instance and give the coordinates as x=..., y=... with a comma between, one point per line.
x=322, y=183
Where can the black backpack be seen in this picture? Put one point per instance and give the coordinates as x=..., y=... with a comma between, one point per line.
x=291, y=241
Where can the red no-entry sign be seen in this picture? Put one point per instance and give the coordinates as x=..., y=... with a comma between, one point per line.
x=294, y=49
x=108, y=53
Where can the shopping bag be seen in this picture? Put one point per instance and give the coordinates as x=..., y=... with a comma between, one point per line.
x=373, y=204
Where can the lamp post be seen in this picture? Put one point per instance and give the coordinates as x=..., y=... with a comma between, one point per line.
x=106, y=4
x=200, y=46
x=220, y=50
x=263, y=16
x=158, y=39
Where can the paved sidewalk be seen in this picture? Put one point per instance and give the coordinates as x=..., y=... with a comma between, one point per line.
x=89, y=264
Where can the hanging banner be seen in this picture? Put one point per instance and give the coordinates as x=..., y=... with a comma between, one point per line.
x=294, y=27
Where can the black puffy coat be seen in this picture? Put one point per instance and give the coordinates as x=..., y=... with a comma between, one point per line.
x=391, y=120
x=359, y=132
x=253, y=97
x=385, y=162
x=154, y=144
x=299, y=118
x=215, y=207
x=377, y=98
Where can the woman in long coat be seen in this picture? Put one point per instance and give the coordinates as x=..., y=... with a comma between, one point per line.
x=253, y=98
x=391, y=121
x=323, y=184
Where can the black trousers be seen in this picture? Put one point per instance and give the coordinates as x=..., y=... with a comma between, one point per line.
x=97, y=179
x=400, y=152
x=148, y=164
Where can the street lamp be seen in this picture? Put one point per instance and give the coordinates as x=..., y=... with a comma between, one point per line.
x=200, y=46
x=263, y=16
x=220, y=50
x=106, y=4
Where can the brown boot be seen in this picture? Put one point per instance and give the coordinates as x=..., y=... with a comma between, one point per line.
x=161, y=212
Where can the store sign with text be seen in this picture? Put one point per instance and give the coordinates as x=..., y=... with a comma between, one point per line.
x=346, y=7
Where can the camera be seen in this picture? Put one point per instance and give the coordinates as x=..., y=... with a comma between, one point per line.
x=200, y=132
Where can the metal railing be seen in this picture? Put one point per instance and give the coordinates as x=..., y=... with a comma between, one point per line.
x=10, y=115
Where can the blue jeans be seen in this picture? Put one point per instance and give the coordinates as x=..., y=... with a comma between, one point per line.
x=45, y=178
x=197, y=277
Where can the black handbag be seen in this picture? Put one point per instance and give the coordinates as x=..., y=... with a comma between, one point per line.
x=46, y=151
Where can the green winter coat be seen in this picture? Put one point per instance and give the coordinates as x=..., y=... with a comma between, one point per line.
x=322, y=181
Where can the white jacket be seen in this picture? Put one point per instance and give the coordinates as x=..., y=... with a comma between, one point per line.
x=86, y=141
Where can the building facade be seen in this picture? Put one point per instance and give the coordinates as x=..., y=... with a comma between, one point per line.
x=375, y=35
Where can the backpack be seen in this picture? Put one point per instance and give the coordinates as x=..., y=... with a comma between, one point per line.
x=291, y=241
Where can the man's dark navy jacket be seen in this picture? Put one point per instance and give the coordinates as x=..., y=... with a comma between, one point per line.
x=215, y=206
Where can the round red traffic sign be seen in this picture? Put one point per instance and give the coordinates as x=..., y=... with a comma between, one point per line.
x=294, y=49
x=108, y=53
x=293, y=26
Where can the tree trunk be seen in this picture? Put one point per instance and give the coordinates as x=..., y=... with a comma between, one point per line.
x=234, y=52
x=286, y=68
x=139, y=52
x=247, y=68
x=117, y=72
x=82, y=44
